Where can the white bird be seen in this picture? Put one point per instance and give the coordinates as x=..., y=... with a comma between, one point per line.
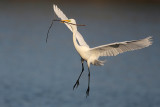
x=91, y=55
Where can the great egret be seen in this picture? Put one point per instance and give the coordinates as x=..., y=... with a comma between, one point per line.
x=91, y=55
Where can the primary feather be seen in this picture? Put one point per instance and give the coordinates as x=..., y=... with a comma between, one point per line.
x=114, y=49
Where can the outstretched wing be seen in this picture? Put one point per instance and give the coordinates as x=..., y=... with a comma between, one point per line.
x=114, y=49
x=62, y=16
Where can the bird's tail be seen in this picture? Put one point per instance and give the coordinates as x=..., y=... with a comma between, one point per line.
x=99, y=63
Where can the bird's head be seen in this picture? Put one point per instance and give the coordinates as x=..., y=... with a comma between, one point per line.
x=71, y=21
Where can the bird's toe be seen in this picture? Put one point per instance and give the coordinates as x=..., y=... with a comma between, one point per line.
x=87, y=92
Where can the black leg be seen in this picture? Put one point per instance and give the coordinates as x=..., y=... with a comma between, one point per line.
x=77, y=82
x=87, y=92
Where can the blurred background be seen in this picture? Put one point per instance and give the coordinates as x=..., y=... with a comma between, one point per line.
x=36, y=74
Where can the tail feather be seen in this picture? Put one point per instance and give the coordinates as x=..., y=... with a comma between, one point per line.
x=99, y=63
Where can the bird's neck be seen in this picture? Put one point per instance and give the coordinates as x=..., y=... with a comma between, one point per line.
x=74, y=37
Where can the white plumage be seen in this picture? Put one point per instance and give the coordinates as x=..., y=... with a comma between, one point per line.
x=114, y=49
x=91, y=55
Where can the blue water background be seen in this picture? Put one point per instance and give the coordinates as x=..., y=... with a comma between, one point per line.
x=36, y=74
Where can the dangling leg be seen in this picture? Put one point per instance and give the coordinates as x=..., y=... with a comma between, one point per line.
x=77, y=82
x=87, y=92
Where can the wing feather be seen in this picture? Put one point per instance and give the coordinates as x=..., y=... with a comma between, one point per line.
x=114, y=49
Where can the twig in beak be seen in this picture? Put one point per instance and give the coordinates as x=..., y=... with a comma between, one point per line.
x=61, y=22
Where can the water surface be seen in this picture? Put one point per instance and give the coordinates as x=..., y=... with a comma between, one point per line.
x=36, y=74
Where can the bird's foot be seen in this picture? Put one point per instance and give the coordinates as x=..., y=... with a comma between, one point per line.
x=87, y=92
x=76, y=84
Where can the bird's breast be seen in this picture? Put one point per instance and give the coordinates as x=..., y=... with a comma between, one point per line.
x=83, y=52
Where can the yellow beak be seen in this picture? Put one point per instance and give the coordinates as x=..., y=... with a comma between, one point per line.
x=62, y=21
